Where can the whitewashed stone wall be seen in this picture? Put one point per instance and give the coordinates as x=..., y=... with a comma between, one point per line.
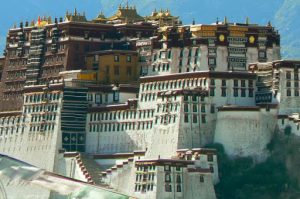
x=288, y=104
x=245, y=133
x=39, y=148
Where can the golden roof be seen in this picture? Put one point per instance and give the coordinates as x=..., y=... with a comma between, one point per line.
x=100, y=18
x=126, y=14
x=163, y=18
x=162, y=14
x=75, y=17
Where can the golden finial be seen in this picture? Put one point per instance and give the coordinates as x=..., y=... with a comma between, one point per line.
x=127, y=6
x=225, y=20
x=269, y=23
x=247, y=20
x=49, y=20
x=75, y=12
x=32, y=23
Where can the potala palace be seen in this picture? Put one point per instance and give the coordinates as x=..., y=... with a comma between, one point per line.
x=129, y=103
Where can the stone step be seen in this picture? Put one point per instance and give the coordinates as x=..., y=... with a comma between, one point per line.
x=93, y=168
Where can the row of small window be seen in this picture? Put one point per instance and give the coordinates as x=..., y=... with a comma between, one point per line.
x=39, y=118
x=146, y=168
x=168, y=54
x=169, y=168
x=195, y=108
x=148, y=97
x=235, y=83
x=11, y=120
x=60, y=47
x=143, y=188
x=14, y=75
x=166, y=119
x=288, y=75
x=169, y=107
x=195, y=118
x=210, y=157
x=141, y=114
x=144, y=177
x=168, y=178
x=40, y=108
x=16, y=129
x=162, y=55
x=42, y=127
x=234, y=54
x=34, y=59
x=51, y=59
x=20, y=62
x=190, y=52
x=13, y=53
x=237, y=39
x=98, y=98
x=174, y=84
x=235, y=92
x=289, y=92
x=289, y=83
x=187, y=69
x=108, y=127
x=117, y=58
x=50, y=80
x=12, y=95
x=53, y=70
x=195, y=61
x=36, y=98
x=237, y=65
x=168, y=187
x=117, y=70
x=237, y=50
x=161, y=67
x=194, y=98
x=14, y=86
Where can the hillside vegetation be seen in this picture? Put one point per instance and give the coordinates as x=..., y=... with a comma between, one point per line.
x=276, y=178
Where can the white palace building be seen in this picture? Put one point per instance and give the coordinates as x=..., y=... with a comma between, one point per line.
x=144, y=136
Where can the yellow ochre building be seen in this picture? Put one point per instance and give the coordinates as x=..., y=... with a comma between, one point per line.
x=114, y=66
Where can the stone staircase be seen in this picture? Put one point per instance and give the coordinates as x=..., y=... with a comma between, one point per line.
x=81, y=165
x=92, y=167
x=110, y=176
